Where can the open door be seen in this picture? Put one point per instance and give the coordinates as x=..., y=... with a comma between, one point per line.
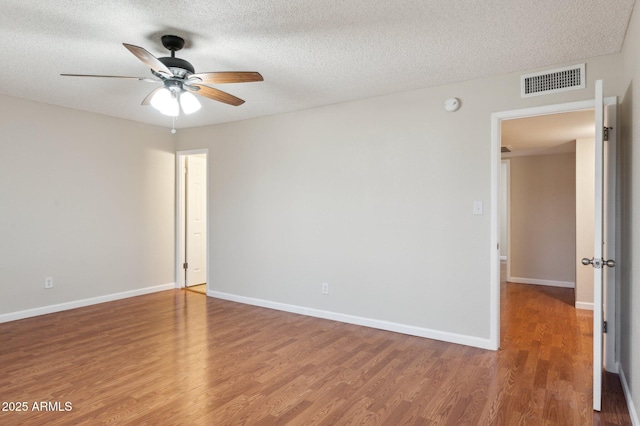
x=597, y=249
x=598, y=260
x=195, y=223
x=192, y=200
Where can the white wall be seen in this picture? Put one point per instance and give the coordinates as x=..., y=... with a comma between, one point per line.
x=84, y=198
x=628, y=268
x=373, y=196
x=585, y=187
x=543, y=220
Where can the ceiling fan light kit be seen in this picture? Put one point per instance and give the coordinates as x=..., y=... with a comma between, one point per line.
x=180, y=80
x=166, y=102
x=189, y=103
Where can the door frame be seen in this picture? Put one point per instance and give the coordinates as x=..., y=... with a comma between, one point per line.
x=496, y=120
x=181, y=217
x=507, y=206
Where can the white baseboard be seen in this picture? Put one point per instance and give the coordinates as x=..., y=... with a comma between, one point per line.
x=564, y=284
x=366, y=322
x=633, y=413
x=584, y=305
x=50, y=309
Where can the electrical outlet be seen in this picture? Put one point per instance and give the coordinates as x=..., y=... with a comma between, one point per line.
x=48, y=282
x=325, y=288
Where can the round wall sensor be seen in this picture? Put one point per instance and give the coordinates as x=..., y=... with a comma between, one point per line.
x=452, y=104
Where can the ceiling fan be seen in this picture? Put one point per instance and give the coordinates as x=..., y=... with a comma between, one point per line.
x=179, y=80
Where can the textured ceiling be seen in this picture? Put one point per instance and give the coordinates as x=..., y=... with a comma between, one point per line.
x=310, y=52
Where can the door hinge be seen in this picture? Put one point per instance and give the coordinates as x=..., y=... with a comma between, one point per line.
x=604, y=326
x=185, y=265
x=605, y=133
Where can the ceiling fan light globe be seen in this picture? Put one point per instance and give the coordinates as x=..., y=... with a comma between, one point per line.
x=189, y=103
x=172, y=110
x=161, y=98
x=165, y=102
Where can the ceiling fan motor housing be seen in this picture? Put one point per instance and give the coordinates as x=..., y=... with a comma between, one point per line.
x=178, y=67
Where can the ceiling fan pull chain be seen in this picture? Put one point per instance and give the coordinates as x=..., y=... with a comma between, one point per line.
x=173, y=128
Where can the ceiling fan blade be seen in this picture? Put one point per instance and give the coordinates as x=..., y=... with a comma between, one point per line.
x=215, y=94
x=227, y=77
x=147, y=99
x=150, y=60
x=111, y=76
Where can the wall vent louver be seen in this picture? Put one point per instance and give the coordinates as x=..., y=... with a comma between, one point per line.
x=504, y=149
x=553, y=81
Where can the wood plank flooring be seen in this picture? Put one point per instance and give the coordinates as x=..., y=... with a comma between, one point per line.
x=180, y=358
x=200, y=288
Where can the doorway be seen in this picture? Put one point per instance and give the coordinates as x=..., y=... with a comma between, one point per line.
x=192, y=242
x=610, y=290
x=548, y=162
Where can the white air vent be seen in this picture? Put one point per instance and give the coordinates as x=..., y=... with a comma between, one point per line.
x=553, y=81
x=506, y=148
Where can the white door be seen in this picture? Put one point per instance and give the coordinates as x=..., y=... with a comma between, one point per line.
x=609, y=234
x=196, y=224
x=600, y=250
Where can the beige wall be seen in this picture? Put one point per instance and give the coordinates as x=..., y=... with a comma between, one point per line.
x=543, y=219
x=585, y=187
x=628, y=268
x=372, y=196
x=85, y=199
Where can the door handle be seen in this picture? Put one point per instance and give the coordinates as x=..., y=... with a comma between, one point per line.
x=598, y=263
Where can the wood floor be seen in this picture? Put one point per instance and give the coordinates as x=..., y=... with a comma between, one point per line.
x=179, y=357
x=200, y=288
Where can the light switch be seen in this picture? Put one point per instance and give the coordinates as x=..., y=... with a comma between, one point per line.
x=477, y=207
